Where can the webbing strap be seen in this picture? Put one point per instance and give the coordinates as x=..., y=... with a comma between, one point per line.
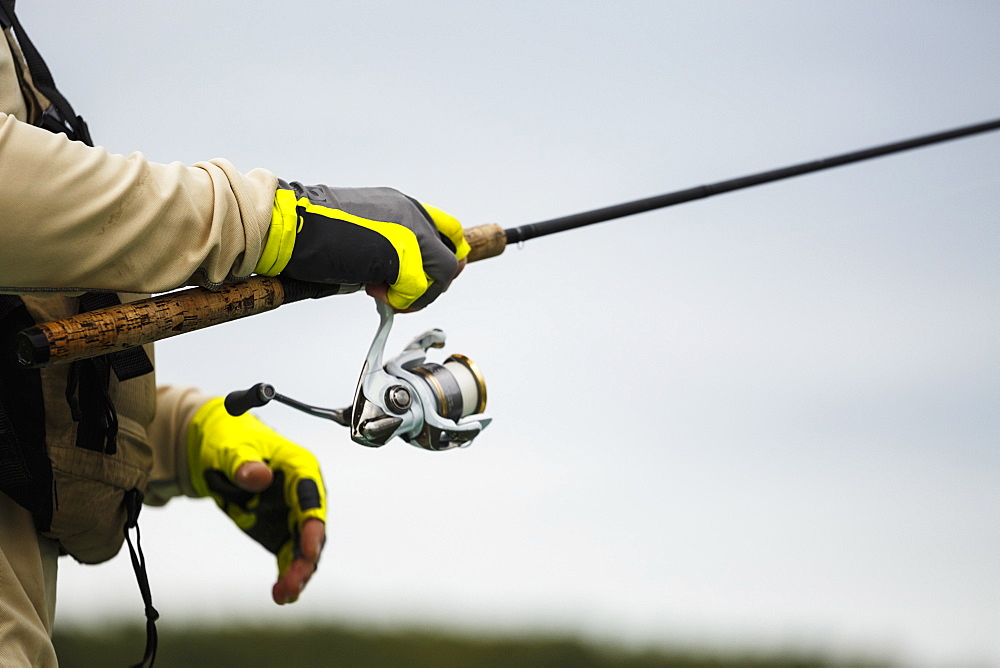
x=88, y=383
x=60, y=117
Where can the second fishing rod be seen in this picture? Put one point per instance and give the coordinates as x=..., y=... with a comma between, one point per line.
x=117, y=328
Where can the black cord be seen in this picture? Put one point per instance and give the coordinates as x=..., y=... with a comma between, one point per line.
x=133, y=503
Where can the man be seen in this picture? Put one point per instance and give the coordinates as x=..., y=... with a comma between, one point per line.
x=81, y=444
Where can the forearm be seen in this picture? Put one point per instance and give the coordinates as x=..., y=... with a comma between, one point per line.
x=167, y=433
x=77, y=217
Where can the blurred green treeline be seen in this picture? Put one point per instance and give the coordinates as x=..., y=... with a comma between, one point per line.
x=192, y=647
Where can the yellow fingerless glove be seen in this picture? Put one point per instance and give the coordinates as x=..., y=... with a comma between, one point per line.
x=218, y=444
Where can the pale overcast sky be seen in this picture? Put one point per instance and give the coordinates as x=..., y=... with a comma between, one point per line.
x=765, y=419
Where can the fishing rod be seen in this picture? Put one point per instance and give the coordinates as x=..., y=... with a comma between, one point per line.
x=525, y=232
x=116, y=328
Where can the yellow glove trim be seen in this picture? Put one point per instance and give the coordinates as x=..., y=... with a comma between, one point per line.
x=217, y=440
x=280, y=235
x=449, y=226
x=411, y=282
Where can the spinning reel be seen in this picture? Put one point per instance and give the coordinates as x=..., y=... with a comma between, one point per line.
x=432, y=406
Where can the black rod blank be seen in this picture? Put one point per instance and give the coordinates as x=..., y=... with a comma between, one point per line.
x=525, y=232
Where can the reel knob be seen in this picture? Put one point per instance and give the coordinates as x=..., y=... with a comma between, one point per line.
x=240, y=401
x=398, y=399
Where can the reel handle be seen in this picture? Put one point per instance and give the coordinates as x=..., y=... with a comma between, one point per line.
x=116, y=328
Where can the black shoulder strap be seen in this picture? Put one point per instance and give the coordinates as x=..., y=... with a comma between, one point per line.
x=25, y=470
x=88, y=382
x=59, y=117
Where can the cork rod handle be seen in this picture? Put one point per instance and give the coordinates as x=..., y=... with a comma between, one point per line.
x=116, y=328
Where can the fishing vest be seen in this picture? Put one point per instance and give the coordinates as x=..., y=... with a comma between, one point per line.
x=73, y=447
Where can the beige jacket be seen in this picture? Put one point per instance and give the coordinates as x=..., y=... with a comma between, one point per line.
x=75, y=218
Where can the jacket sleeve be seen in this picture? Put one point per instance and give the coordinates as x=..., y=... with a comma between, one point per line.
x=73, y=217
x=167, y=435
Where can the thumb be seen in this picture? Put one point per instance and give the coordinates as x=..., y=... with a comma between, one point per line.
x=254, y=476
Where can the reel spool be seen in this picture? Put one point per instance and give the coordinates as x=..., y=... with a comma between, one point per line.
x=458, y=389
x=431, y=406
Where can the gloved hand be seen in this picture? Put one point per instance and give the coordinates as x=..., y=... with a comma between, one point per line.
x=271, y=488
x=363, y=235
